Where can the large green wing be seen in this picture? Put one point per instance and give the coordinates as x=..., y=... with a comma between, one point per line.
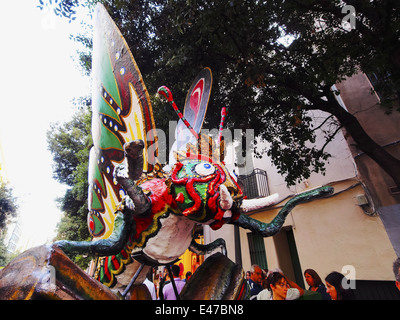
x=121, y=112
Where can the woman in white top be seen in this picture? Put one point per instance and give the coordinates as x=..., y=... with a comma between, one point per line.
x=280, y=288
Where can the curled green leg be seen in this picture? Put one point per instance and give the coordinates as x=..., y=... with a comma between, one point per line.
x=103, y=247
x=208, y=248
x=269, y=229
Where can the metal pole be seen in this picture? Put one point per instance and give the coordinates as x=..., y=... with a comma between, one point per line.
x=171, y=276
x=133, y=280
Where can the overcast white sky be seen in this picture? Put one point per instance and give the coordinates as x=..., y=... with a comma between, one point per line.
x=38, y=82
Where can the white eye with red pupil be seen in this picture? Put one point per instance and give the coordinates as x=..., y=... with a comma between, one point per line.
x=204, y=169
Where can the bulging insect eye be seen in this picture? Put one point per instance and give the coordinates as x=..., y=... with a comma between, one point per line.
x=204, y=169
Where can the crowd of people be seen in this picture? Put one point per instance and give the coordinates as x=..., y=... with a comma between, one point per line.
x=159, y=283
x=274, y=285
x=265, y=284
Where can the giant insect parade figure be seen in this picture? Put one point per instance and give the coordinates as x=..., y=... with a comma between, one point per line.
x=140, y=214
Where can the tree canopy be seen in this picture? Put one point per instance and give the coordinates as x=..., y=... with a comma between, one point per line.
x=272, y=62
x=8, y=210
x=70, y=145
x=8, y=204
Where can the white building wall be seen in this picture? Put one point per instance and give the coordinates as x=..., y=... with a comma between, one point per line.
x=330, y=233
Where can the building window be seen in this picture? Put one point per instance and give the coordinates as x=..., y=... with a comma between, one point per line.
x=383, y=85
x=255, y=184
x=257, y=250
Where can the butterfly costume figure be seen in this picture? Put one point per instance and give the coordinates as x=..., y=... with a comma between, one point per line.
x=143, y=215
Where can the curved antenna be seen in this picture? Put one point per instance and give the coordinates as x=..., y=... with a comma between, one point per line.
x=168, y=95
x=224, y=112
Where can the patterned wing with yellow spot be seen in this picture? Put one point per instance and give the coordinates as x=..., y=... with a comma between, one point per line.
x=121, y=113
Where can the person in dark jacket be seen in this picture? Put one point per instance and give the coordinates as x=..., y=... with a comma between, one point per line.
x=315, y=283
x=334, y=284
x=255, y=281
